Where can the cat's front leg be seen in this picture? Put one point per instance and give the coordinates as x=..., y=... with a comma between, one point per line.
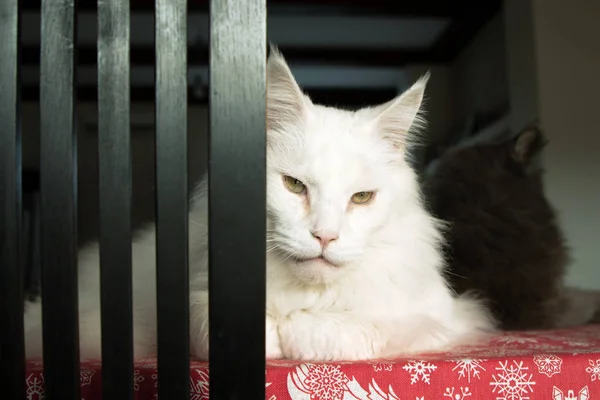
x=329, y=336
x=199, y=325
x=273, y=344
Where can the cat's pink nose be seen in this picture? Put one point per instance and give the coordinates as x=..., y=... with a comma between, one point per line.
x=325, y=237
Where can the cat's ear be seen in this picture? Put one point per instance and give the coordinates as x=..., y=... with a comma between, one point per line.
x=527, y=145
x=403, y=114
x=286, y=104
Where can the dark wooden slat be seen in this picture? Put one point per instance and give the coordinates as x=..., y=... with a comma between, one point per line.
x=172, y=200
x=59, y=202
x=12, y=351
x=360, y=57
x=237, y=186
x=114, y=157
x=405, y=8
x=343, y=97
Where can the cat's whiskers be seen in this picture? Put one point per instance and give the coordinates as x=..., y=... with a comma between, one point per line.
x=457, y=275
x=273, y=247
x=289, y=253
x=449, y=285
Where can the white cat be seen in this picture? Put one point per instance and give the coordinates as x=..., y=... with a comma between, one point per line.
x=354, y=268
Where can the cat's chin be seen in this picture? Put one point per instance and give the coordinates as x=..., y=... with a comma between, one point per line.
x=316, y=261
x=316, y=270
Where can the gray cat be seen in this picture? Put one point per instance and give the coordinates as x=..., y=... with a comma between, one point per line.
x=504, y=239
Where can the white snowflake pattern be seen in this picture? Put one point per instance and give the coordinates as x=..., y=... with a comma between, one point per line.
x=267, y=384
x=557, y=394
x=594, y=370
x=419, y=371
x=35, y=387
x=468, y=368
x=85, y=377
x=548, y=364
x=464, y=393
x=383, y=366
x=137, y=379
x=155, y=379
x=512, y=381
x=199, y=386
x=326, y=382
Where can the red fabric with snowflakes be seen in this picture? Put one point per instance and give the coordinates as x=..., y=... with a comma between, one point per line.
x=557, y=365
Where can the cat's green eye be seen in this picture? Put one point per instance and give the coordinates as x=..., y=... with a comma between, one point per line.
x=362, y=197
x=294, y=185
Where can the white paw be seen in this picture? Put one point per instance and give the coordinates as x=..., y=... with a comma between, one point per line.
x=297, y=342
x=303, y=338
x=273, y=346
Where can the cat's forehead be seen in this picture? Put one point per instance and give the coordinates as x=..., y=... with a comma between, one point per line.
x=326, y=125
x=339, y=147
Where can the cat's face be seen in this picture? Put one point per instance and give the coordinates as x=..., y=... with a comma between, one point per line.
x=335, y=178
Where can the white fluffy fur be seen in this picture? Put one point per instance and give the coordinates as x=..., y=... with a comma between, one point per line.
x=384, y=296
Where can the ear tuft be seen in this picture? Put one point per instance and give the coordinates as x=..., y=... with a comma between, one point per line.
x=285, y=101
x=528, y=143
x=403, y=115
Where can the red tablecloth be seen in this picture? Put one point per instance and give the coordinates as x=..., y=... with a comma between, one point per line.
x=556, y=365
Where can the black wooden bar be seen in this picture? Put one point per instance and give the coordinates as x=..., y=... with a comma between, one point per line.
x=172, y=200
x=114, y=158
x=12, y=352
x=237, y=186
x=58, y=187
